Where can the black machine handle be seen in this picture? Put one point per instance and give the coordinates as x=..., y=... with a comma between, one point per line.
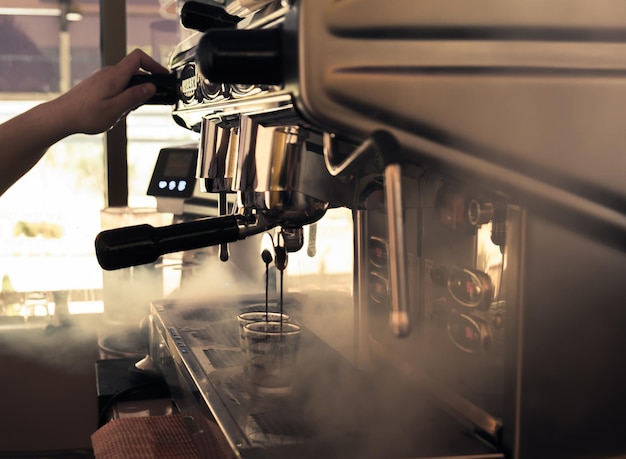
x=166, y=84
x=242, y=56
x=202, y=17
x=141, y=244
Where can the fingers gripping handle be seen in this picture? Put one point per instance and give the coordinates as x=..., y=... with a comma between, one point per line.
x=166, y=87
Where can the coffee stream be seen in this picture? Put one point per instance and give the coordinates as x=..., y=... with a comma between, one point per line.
x=282, y=273
x=267, y=292
x=280, y=260
x=267, y=258
x=281, y=264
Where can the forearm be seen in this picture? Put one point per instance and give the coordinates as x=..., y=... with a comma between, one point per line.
x=91, y=107
x=26, y=137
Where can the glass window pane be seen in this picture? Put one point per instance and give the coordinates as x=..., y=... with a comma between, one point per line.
x=29, y=60
x=49, y=219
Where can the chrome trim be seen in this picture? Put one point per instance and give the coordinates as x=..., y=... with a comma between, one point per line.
x=399, y=317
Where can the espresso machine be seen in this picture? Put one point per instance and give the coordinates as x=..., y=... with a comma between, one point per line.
x=476, y=149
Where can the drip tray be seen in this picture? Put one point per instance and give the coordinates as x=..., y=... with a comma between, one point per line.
x=334, y=410
x=221, y=358
x=224, y=334
x=276, y=424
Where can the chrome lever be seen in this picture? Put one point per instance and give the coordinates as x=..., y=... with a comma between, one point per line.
x=369, y=150
x=399, y=317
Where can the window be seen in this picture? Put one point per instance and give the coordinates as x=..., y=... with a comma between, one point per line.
x=49, y=219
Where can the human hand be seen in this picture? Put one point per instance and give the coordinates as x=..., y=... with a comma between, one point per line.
x=100, y=101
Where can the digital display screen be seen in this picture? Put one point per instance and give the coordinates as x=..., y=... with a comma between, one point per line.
x=177, y=163
x=174, y=173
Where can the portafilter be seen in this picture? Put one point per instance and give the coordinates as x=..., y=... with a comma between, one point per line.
x=280, y=181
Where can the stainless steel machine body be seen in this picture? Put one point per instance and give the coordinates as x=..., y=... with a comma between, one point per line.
x=477, y=145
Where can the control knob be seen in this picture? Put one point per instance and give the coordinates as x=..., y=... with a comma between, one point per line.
x=202, y=17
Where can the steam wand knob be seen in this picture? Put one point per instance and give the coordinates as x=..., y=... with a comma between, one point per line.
x=202, y=17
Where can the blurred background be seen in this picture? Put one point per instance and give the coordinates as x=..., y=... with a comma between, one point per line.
x=49, y=219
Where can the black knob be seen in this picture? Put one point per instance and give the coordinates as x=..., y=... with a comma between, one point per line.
x=166, y=84
x=237, y=56
x=141, y=244
x=202, y=17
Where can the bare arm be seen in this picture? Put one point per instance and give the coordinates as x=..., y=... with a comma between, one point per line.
x=91, y=107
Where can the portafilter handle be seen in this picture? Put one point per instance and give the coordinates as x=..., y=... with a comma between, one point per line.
x=142, y=244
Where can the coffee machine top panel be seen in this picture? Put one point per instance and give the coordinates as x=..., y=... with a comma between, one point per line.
x=202, y=95
x=528, y=98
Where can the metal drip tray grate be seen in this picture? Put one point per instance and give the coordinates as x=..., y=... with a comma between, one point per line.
x=227, y=312
x=206, y=314
x=273, y=424
x=272, y=307
x=223, y=358
x=223, y=333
